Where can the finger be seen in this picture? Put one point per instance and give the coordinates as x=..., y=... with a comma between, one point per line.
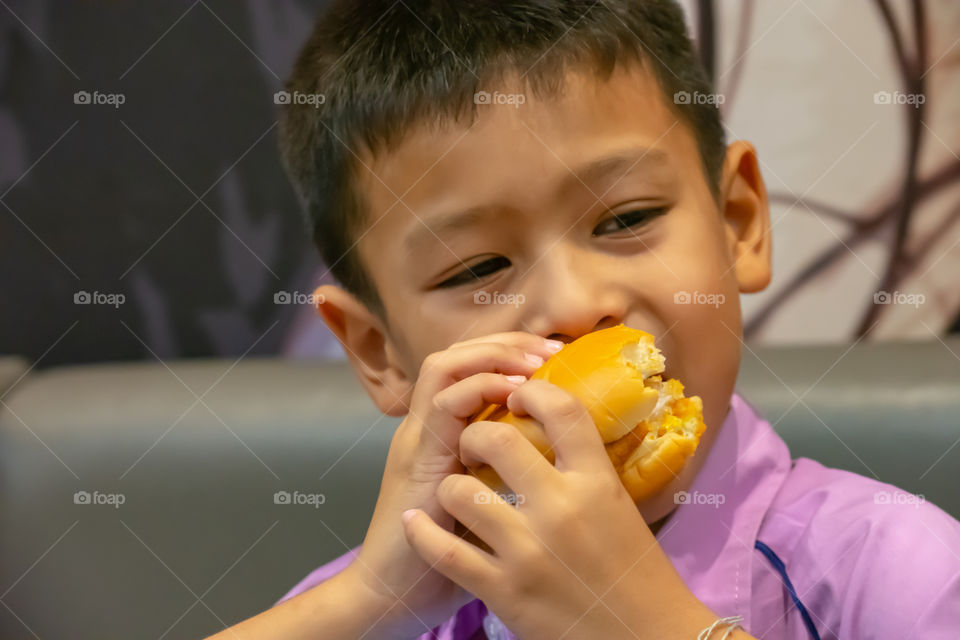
x=569, y=428
x=442, y=423
x=442, y=368
x=515, y=459
x=457, y=559
x=487, y=514
x=521, y=339
x=451, y=408
x=467, y=397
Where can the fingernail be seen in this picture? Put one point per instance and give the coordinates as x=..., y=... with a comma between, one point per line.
x=516, y=379
x=533, y=359
x=406, y=515
x=553, y=345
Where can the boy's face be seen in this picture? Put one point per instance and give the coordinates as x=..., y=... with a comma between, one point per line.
x=541, y=184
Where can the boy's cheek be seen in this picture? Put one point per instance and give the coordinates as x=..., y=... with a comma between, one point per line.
x=704, y=346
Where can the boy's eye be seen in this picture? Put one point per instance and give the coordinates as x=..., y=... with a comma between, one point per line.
x=628, y=219
x=476, y=272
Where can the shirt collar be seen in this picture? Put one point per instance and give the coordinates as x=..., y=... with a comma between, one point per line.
x=710, y=537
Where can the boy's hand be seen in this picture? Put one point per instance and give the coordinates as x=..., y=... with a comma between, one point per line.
x=452, y=385
x=574, y=557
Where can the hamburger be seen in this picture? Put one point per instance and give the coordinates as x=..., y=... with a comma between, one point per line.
x=648, y=427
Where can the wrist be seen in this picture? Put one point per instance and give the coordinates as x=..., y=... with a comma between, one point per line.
x=339, y=607
x=701, y=618
x=378, y=615
x=688, y=619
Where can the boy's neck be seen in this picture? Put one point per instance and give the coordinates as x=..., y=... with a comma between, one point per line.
x=656, y=526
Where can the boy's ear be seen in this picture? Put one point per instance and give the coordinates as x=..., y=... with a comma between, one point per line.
x=368, y=347
x=746, y=213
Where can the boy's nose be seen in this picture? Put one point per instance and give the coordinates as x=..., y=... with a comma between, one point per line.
x=572, y=294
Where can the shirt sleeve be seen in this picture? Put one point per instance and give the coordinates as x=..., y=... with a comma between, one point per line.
x=941, y=619
x=871, y=561
x=465, y=624
x=912, y=586
x=322, y=573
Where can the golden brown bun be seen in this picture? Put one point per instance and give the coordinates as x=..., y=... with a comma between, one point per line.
x=648, y=427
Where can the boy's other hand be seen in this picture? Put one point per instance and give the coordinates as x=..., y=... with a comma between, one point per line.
x=452, y=385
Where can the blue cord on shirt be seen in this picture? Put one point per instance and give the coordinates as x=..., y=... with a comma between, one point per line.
x=781, y=569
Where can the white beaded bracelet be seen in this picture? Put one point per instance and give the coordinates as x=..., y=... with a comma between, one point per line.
x=733, y=621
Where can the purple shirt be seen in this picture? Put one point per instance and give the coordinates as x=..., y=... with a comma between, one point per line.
x=866, y=559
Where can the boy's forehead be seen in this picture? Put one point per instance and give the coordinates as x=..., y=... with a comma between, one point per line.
x=530, y=154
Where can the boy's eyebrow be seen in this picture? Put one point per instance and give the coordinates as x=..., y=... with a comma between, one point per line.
x=425, y=231
x=591, y=171
x=619, y=163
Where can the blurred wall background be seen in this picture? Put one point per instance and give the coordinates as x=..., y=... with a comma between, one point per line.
x=853, y=107
x=171, y=195
x=139, y=173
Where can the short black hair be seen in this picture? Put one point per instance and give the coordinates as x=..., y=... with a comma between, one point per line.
x=382, y=66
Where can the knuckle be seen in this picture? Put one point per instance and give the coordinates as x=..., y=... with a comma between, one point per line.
x=446, y=485
x=450, y=557
x=560, y=515
x=528, y=554
x=505, y=350
x=498, y=435
x=493, y=380
x=491, y=350
x=439, y=402
x=457, y=490
x=609, y=485
x=527, y=580
x=568, y=407
x=513, y=601
x=430, y=362
x=451, y=487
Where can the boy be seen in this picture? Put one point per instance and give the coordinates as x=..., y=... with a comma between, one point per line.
x=489, y=181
